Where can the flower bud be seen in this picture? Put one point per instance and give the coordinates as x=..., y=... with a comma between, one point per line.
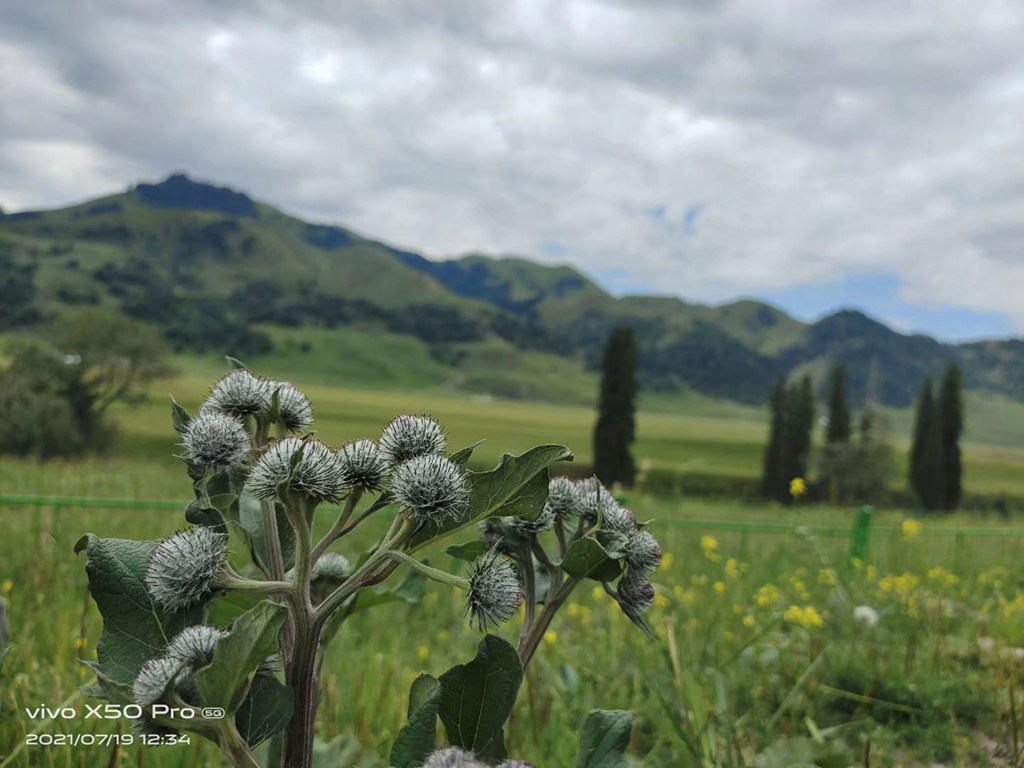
x=332, y=566
x=410, y=436
x=240, y=393
x=194, y=646
x=526, y=528
x=363, y=465
x=635, y=596
x=215, y=439
x=494, y=590
x=293, y=407
x=318, y=473
x=430, y=488
x=563, y=498
x=155, y=677
x=593, y=500
x=618, y=518
x=451, y=757
x=183, y=566
x=643, y=554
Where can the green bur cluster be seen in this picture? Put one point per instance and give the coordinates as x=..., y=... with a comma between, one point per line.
x=258, y=481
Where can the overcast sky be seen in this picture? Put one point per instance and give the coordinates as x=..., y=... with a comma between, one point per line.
x=820, y=154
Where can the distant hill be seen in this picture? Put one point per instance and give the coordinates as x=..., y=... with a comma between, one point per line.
x=218, y=271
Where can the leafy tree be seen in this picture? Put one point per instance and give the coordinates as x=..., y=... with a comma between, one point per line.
x=17, y=291
x=615, y=429
x=58, y=392
x=773, y=481
x=950, y=418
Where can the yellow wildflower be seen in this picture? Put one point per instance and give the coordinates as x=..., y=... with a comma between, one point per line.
x=660, y=600
x=709, y=546
x=666, y=561
x=8, y=586
x=719, y=587
x=806, y=617
x=550, y=637
x=767, y=596
x=797, y=487
x=827, y=577
x=911, y=529
x=732, y=568
x=422, y=652
x=749, y=621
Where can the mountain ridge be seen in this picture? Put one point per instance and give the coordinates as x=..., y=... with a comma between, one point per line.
x=198, y=259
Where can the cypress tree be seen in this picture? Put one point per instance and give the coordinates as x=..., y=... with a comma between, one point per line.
x=799, y=423
x=838, y=430
x=773, y=480
x=926, y=451
x=923, y=416
x=950, y=423
x=615, y=429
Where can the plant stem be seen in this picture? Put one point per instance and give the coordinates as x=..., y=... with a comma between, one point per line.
x=431, y=573
x=234, y=583
x=236, y=751
x=338, y=529
x=528, y=645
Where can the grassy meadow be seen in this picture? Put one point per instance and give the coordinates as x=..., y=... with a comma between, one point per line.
x=758, y=635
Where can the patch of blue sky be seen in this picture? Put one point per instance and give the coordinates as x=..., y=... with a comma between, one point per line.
x=878, y=295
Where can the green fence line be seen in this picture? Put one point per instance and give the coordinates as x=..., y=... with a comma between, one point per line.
x=705, y=525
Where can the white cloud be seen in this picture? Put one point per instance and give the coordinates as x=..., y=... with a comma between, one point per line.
x=819, y=138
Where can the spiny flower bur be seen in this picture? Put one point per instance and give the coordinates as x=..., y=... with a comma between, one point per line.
x=408, y=437
x=316, y=474
x=241, y=393
x=364, y=467
x=494, y=590
x=294, y=410
x=215, y=439
x=430, y=488
x=182, y=567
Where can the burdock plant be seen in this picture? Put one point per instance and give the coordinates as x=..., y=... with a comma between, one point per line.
x=253, y=675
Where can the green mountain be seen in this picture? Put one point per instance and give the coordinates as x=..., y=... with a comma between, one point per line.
x=217, y=271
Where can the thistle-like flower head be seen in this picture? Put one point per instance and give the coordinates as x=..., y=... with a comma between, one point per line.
x=241, y=393
x=293, y=407
x=332, y=566
x=593, y=499
x=410, y=436
x=451, y=757
x=430, y=488
x=182, y=567
x=216, y=439
x=494, y=590
x=618, y=518
x=643, y=554
x=563, y=498
x=363, y=465
x=635, y=596
x=194, y=646
x=154, y=679
x=527, y=528
x=318, y=473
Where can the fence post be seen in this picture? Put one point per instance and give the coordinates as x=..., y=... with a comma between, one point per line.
x=859, y=534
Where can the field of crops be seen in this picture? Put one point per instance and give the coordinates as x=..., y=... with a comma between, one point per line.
x=910, y=655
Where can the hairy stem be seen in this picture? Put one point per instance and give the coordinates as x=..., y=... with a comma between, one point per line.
x=528, y=645
x=431, y=573
x=338, y=529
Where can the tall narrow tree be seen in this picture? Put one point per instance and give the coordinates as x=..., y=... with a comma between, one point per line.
x=950, y=423
x=615, y=429
x=925, y=466
x=799, y=424
x=773, y=480
x=837, y=435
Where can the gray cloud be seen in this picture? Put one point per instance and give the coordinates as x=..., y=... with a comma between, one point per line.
x=820, y=139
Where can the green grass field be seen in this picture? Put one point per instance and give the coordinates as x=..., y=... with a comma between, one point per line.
x=755, y=635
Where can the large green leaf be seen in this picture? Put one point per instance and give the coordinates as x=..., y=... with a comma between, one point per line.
x=267, y=709
x=418, y=737
x=477, y=698
x=512, y=487
x=252, y=638
x=135, y=629
x=586, y=558
x=605, y=739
